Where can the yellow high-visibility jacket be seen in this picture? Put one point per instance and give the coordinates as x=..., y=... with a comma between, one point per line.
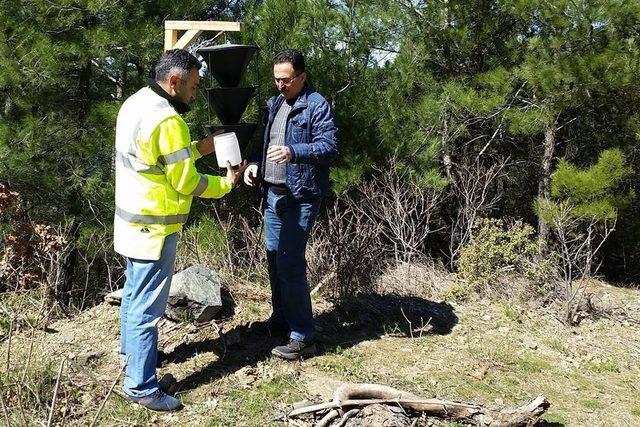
x=156, y=177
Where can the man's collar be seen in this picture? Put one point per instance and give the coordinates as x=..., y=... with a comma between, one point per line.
x=179, y=106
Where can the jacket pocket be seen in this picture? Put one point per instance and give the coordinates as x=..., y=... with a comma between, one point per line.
x=298, y=127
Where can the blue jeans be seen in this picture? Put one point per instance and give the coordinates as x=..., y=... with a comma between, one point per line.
x=144, y=300
x=287, y=226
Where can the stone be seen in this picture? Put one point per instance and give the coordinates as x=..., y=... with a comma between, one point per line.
x=194, y=295
x=114, y=298
x=84, y=358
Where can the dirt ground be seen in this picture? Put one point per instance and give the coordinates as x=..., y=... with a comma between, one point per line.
x=486, y=351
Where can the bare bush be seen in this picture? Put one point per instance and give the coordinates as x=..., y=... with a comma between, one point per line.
x=395, y=199
x=344, y=253
x=232, y=245
x=385, y=220
x=472, y=188
x=36, y=259
x=578, y=239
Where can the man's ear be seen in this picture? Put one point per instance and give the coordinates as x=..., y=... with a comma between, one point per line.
x=173, y=80
x=303, y=77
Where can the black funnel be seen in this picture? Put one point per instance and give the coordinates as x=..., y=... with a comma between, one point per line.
x=227, y=62
x=244, y=131
x=229, y=103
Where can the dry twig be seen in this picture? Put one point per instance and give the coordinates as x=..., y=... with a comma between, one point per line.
x=55, y=394
x=95, y=419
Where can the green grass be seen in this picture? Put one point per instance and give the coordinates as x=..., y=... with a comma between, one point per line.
x=635, y=411
x=391, y=328
x=556, y=417
x=252, y=308
x=605, y=365
x=347, y=364
x=493, y=352
x=558, y=345
x=258, y=405
x=513, y=314
x=5, y=324
x=532, y=364
x=592, y=404
x=118, y=411
x=506, y=359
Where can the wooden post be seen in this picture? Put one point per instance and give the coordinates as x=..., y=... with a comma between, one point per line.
x=193, y=30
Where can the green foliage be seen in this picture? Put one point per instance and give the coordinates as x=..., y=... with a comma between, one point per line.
x=418, y=80
x=204, y=241
x=592, y=193
x=497, y=249
x=596, y=190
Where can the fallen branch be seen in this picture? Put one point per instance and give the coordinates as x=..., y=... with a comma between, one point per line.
x=331, y=415
x=350, y=397
x=326, y=279
x=349, y=414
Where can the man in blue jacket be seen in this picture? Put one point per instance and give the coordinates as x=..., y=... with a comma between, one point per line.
x=299, y=143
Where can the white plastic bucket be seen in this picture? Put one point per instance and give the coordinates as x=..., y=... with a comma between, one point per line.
x=227, y=148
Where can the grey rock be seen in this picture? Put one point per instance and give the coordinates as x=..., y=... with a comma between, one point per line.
x=114, y=298
x=194, y=295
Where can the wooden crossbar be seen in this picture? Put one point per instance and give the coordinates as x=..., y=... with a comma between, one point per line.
x=193, y=30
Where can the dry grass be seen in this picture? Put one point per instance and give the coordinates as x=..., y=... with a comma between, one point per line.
x=500, y=351
x=427, y=279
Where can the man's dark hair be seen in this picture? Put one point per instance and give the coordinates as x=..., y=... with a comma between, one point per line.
x=176, y=61
x=293, y=57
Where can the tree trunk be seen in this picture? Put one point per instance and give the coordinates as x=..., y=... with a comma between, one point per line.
x=446, y=148
x=544, y=186
x=8, y=103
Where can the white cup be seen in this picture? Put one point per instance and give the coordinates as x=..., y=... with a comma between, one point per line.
x=227, y=148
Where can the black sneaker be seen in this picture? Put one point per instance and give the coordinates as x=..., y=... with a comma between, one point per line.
x=295, y=349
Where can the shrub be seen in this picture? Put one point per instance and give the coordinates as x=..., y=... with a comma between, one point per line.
x=497, y=249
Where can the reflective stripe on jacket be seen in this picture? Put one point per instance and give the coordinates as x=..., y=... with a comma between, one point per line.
x=156, y=177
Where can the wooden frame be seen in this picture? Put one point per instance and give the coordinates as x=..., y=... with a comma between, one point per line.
x=193, y=30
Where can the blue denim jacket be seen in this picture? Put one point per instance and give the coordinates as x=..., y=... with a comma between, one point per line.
x=311, y=137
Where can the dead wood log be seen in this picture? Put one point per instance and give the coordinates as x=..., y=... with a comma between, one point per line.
x=350, y=396
x=327, y=419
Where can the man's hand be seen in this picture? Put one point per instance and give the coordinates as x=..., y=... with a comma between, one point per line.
x=233, y=175
x=205, y=145
x=279, y=154
x=251, y=175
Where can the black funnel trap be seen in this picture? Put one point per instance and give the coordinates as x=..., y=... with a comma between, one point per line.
x=227, y=62
x=229, y=103
x=244, y=131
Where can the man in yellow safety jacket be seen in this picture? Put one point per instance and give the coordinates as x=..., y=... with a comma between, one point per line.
x=156, y=180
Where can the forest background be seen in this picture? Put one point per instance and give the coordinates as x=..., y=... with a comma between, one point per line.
x=494, y=138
